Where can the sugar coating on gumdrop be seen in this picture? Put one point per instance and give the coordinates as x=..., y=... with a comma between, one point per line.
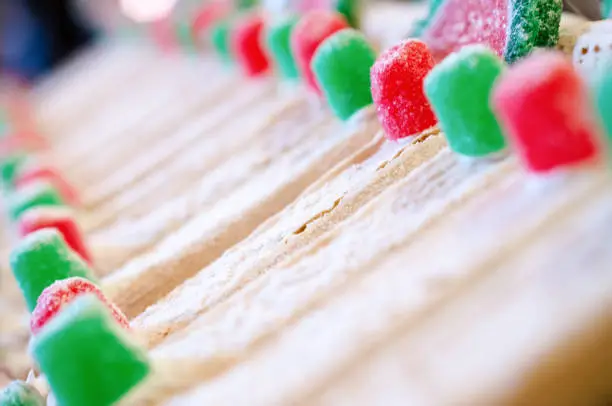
x=59, y=218
x=278, y=40
x=312, y=29
x=54, y=298
x=544, y=108
x=532, y=24
x=457, y=23
x=397, y=89
x=40, y=259
x=342, y=67
x=30, y=174
x=246, y=42
x=220, y=39
x=87, y=358
x=459, y=89
x=19, y=393
x=34, y=194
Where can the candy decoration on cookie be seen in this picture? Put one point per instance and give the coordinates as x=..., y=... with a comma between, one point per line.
x=63, y=292
x=59, y=218
x=19, y=393
x=607, y=8
x=220, y=39
x=602, y=90
x=465, y=116
x=87, y=358
x=312, y=29
x=246, y=42
x=544, y=108
x=206, y=16
x=342, y=66
x=397, y=89
x=42, y=258
x=278, y=42
x=458, y=23
x=532, y=24
x=32, y=173
x=34, y=194
x=9, y=168
x=512, y=28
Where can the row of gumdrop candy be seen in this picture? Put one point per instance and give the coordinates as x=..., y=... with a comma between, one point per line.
x=81, y=341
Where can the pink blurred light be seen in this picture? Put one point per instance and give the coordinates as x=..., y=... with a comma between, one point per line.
x=144, y=11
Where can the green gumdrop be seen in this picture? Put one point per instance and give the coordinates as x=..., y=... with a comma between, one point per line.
x=602, y=91
x=42, y=258
x=245, y=4
x=277, y=40
x=9, y=167
x=184, y=34
x=341, y=66
x=19, y=393
x=532, y=23
x=36, y=194
x=351, y=10
x=606, y=8
x=220, y=37
x=459, y=90
x=86, y=357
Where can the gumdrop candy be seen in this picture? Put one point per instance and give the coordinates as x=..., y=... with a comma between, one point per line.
x=59, y=218
x=35, y=194
x=29, y=174
x=607, y=8
x=220, y=39
x=278, y=42
x=544, y=108
x=9, y=167
x=457, y=23
x=532, y=23
x=459, y=89
x=19, y=393
x=602, y=92
x=87, y=358
x=246, y=42
x=40, y=259
x=397, y=89
x=342, y=66
x=312, y=29
x=55, y=297
x=207, y=15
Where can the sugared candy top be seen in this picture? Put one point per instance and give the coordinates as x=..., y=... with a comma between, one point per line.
x=40, y=259
x=87, y=358
x=459, y=89
x=61, y=293
x=246, y=43
x=312, y=29
x=397, y=89
x=545, y=110
x=342, y=67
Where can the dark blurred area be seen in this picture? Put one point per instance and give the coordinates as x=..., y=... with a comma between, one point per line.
x=37, y=35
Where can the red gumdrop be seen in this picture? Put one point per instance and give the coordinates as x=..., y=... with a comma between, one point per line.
x=164, y=35
x=544, y=106
x=206, y=16
x=54, y=298
x=247, y=45
x=35, y=173
x=397, y=89
x=312, y=29
x=59, y=218
x=458, y=23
